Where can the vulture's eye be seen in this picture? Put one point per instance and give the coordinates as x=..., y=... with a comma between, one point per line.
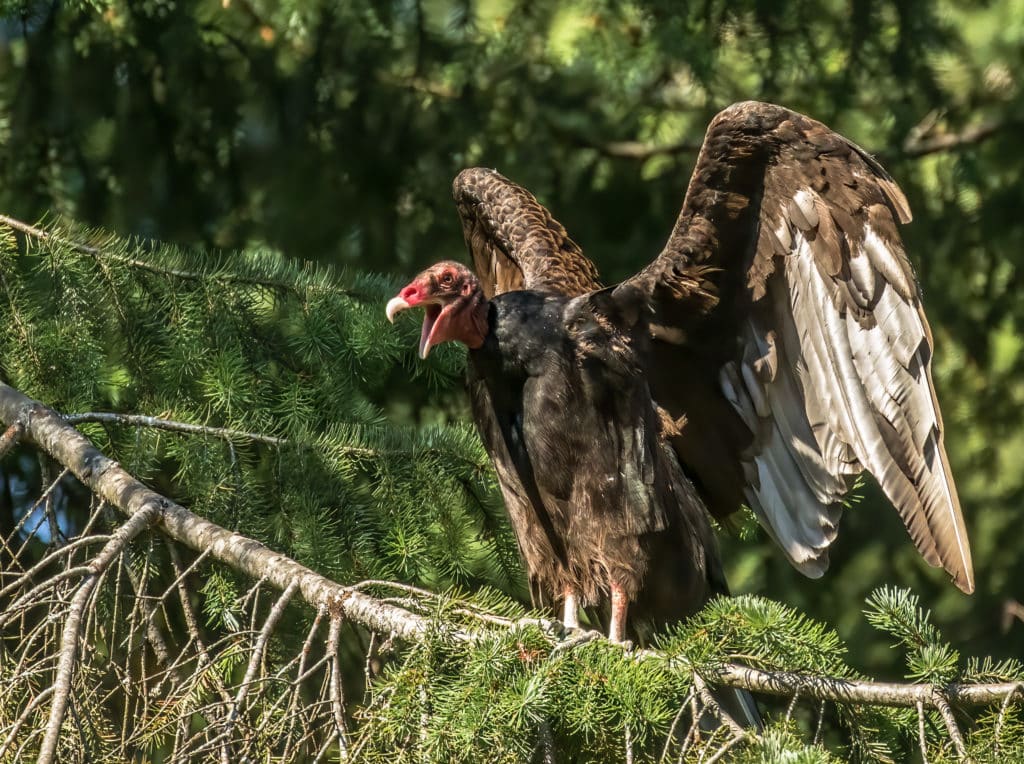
x=447, y=279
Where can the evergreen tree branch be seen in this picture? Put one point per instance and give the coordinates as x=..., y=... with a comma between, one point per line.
x=30, y=708
x=671, y=736
x=951, y=726
x=111, y=482
x=107, y=479
x=716, y=709
x=159, y=423
x=918, y=146
x=191, y=623
x=12, y=435
x=45, y=236
x=16, y=608
x=1000, y=720
x=137, y=523
x=16, y=318
x=337, y=697
x=922, y=739
x=786, y=683
x=15, y=555
x=693, y=733
x=251, y=670
x=64, y=550
x=729, y=745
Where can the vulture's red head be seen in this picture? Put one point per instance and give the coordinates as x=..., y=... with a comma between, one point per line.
x=454, y=306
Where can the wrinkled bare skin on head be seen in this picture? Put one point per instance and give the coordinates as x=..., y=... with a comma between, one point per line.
x=453, y=303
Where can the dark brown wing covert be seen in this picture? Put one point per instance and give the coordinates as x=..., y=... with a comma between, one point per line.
x=514, y=241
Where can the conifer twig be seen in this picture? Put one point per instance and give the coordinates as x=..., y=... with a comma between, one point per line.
x=920, y=732
x=300, y=672
x=141, y=420
x=254, y=663
x=337, y=697
x=368, y=667
x=18, y=322
x=191, y=623
x=785, y=683
x=716, y=708
x=821, y=721
x=574, y=640
x=693, y=733
x=999, y=724
x=30, y=707
x=547, y=743
x=135, y=525
x=46, y=236
x=12, y=435
x=23, y=522
x=942, y=705
x=792, y=705
x=728, y=746
x=149, y=607
x=48, y=559
x=38, y=233
x=675, y=723
x=112, y=482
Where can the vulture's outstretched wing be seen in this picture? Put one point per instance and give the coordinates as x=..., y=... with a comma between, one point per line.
x=785, y=284
x=514, y=241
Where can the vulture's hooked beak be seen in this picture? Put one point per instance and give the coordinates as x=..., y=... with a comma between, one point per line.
x=395, y=306
x=431, y=311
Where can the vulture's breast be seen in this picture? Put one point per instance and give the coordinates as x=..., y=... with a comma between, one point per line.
x=581, y=425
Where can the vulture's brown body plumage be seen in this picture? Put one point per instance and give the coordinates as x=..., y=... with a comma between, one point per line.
x=772, y=352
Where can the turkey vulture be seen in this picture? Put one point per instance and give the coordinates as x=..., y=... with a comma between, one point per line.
x=772, y=352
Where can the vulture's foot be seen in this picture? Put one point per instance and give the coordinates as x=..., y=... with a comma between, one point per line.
x=571, y=610
x=620, y=605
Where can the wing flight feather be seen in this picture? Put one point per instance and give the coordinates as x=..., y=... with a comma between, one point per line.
x=809, y=309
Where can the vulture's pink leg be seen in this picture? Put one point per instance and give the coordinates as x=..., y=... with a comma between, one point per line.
x=570, y=610
x=620, y=603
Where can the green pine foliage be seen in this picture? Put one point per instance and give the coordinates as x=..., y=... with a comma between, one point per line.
x=513, y=691
x=779, y=744
x=290, y=360
x=331, y=132
x=997, y=732
x=899, y=613
x=255, y=343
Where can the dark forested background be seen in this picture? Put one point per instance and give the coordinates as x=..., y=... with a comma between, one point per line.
x=331, y=132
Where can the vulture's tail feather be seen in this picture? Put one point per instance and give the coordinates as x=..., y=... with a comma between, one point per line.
x=739, y=704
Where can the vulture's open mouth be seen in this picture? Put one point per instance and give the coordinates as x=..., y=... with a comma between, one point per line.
x=431, y=312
